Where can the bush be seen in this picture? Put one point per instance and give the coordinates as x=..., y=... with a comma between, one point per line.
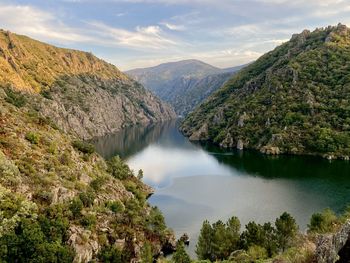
x=118, y=169
x=97, y=183
x=324, y=222
x=110, y=254
x=76, y=206
x=115, y=206
x=15, y=98
x=32, y=137
x=88, y=221
x=84, y=147
x=46, y=94
x=87, y=198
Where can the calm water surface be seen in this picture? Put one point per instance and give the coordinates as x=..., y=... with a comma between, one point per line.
x=196, y=182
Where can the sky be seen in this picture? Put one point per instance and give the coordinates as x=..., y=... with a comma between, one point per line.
x=143, y=33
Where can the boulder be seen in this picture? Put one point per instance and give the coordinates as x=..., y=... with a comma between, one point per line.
x=329, y=246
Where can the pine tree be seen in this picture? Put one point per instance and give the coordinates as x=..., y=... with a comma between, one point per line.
x=180, y=255
x=286, y=228
x=204, y=244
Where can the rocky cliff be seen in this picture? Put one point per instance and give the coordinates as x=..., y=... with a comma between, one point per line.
x=81, y=93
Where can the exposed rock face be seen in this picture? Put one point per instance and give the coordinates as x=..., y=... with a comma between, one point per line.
x=329, y=246
x=201, y=134
x=240, y=145
x=84, y=244
x=270, y=150
x=79, y=92
x=88, y=111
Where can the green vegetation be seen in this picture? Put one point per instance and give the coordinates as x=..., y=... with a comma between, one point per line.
x=282, y=242
x=57, y=194
x=219, y=240
x=15, y=98
x=324, y=222
x=84, y=147
x=180, y=255
x=32, y=137
x=294, y=99
x=119, y=169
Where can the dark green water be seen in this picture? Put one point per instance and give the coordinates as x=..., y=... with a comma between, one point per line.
x=195, y=182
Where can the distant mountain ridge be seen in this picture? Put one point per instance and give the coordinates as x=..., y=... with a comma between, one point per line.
x=183, y=84
x=80, y=92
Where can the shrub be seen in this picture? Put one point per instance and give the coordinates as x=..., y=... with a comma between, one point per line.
x=15, y=98
x=115, y=206
x=46, y=94
x=84, y=147
x=110, y=254
x=87, y=198
x=97, y=183
x=76, y=206
x=88, y=221
x=323, y=222
x=118, y=169
x=32, y=137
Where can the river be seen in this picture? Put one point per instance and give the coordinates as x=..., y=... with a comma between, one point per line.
x=195, y=182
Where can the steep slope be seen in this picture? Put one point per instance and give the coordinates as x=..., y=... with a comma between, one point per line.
x=294, y=99
x=81, y=93
x=60, y=201
x=183, y=84
x=189, y=93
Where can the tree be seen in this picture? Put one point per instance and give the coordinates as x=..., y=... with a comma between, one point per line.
x=220, y=241
x=146, y=253
x=180, y=255
x=204, y=244
x=270, y=240
x=253, y=234
x=27, y=243
x=286, y=229
x=233, y=232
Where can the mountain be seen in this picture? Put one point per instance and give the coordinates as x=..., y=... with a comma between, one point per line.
x=59, y=200
x=81, y=93
x=183, y=84
x=294, y=99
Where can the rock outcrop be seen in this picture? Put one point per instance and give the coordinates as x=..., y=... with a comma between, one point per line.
x=329, y=246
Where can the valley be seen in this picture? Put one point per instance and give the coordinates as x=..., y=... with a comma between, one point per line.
x=181, y=162
x=183, y=84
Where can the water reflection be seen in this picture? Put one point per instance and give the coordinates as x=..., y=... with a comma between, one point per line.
x=196, y=182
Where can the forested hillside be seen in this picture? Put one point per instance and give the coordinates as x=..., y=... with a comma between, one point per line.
x=294, y=99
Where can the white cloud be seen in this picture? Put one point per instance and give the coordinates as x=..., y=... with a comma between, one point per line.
x=150, y=37
x=47, y=27
x=37, y=23
x=173, y=26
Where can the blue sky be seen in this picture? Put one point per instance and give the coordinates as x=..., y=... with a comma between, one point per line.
x=142, y=33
